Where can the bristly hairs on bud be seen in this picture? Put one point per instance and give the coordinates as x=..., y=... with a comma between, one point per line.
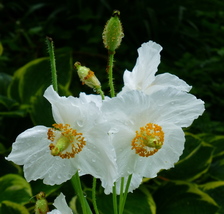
x=112, y=36
x=113, y=32
x=41, y=206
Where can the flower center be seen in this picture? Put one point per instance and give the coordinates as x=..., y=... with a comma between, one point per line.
x=148, y=140
x=66, y=142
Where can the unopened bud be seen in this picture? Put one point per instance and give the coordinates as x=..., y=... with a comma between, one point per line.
x=87, y=76
x=41, y=206
x=113, y=32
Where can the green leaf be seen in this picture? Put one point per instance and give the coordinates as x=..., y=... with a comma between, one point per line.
x=217, y=168
x=183, y=197
x=194, y=162
x=5, y=80
x=1, y=49
x=12, y=208
x=36, y=75
x=16, y=113
x=14, y=188
x=40, y=110
x=218, y=142
x=216, y=190
x=140, y=202
x=7, y=102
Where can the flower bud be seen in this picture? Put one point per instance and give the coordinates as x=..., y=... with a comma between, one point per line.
x=41, y=206
x=113, y=32
x=87, y=76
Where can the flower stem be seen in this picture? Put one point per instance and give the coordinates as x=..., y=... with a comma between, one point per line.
x=115, y=199
x=121, y=195
x=110, y=72
x=78, y=189
x=124, y=197
x=99, y=90
x=50, y=46
x=94, y=196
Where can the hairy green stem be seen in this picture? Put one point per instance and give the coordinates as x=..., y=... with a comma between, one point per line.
x=110, y=72
x=94, y=196
x=50, y=46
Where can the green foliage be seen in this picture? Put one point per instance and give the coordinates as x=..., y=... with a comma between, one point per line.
x=12, y=208
x=15, y=192
x=138, y=202
x=191, y=33
x=183, y=197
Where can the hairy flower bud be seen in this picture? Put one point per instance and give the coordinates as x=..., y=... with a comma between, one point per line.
x=41, y=206
x=113, y=32
x=87, y=76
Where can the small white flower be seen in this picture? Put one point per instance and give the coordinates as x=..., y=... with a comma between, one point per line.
x=143, y=76
x=78, y=141
x=61, y=205
x=147, y=133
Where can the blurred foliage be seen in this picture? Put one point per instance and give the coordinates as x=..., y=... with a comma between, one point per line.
x=191, y=33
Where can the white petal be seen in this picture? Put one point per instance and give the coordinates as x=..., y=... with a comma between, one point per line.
x=177, y=107
x=98, y=157
x=79, y=113
x=55, y=212
x=96, y=99
x=61, y=204
x=31, y=149
x=146, y=66
x=65, y=109
x=28, y=143
x=167, y=80
x=126, y=157
x=167, y=105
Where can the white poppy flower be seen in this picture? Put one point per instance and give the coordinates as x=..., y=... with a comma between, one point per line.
x=78, y=141
x=143, y=76
x=61, y=205
x=147, y=133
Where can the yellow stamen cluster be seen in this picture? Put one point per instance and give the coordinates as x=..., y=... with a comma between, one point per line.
x=68, y=144
x=148, y=140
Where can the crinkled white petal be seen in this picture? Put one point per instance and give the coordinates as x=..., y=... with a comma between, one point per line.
x=167, y=104
x=177, y=107
x=143, y=76
x=31, y=149
x=61, y=204
x=64, y=109
x=81, y=114
x=126, y=157
x=98, y=157
x=55, y=212
x=167, y=80
x=145, y=68
x=96, y=99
